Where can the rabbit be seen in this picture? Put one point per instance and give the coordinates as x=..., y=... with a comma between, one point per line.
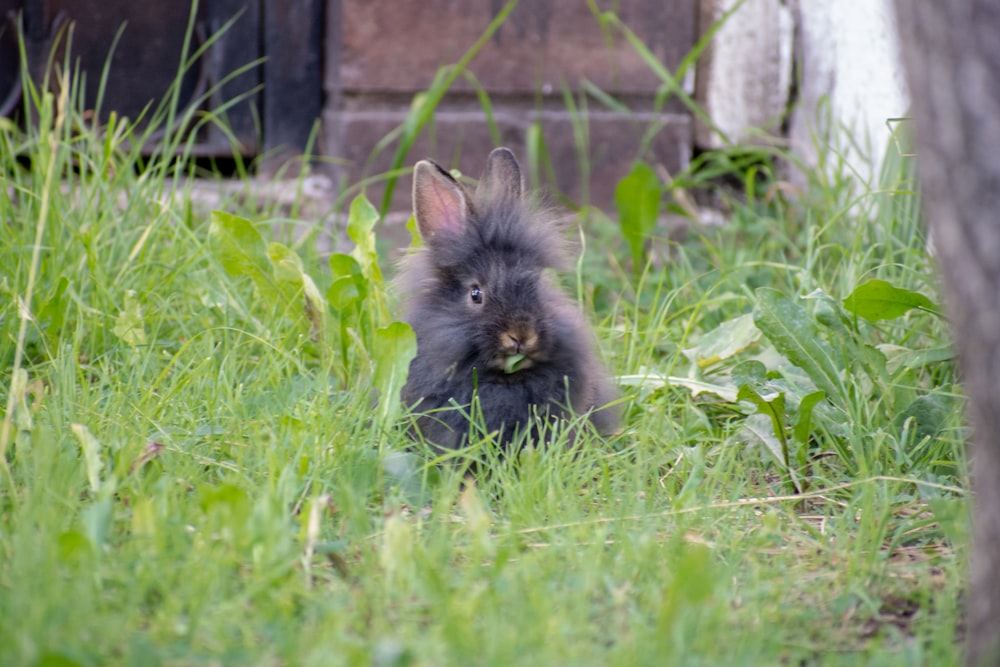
x=489, y=320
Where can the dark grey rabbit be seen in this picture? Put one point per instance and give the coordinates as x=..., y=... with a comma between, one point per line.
x=488, y=318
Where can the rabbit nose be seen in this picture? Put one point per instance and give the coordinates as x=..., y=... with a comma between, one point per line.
x=518, y=340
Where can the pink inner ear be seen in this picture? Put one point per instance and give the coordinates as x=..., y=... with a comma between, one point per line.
x=446, y=207
x=439, y=204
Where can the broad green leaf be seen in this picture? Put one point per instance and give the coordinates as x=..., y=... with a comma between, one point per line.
x=752, y=378
x=725, y=341
x=361, y=228
x=637, y=198
x=241, y=250
x=697, y=387
x=56, y=659
x=878, y=300
x=342, y=266
x=771, y=404
x=839, y=327
x=803, y=422
x=349, y=286
x=393, y=349
x=286, y=266
x=343, y=294
x=930, y=414
x=905, y=357
x=749, y=372
x=513, y=362
x=73, y=545
x=292, y=280
x=129, y=326
x=795, y=335
x=827, y=311
x=96, y=520
x=758, y=430
x=91, y=455
x=314, y=308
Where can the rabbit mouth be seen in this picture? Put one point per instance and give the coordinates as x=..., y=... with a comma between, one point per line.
x=512, y=363
x=508, y=364
x=517, y=347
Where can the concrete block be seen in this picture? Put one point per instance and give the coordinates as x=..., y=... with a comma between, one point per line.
x=745, y=75
x=461, y=139
x=393, y=46
x=849, y=59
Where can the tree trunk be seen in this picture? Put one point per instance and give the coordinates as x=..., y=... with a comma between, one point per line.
x=951, y=50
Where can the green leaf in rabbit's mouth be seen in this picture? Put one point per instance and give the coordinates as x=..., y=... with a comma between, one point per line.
x=512, y=362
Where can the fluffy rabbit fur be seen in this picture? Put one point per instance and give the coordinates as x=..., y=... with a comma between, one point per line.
x=487, y=317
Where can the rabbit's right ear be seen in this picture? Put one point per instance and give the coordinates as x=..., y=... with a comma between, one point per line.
x=502, y=179
x=439, y=202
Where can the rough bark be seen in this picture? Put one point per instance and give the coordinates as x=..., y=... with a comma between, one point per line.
x=951, y=51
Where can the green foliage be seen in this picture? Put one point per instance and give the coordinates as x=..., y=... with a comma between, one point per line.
x=637, y=198
x=355, y=326
x=878, y=300
x=393, y=348
x=795, y=335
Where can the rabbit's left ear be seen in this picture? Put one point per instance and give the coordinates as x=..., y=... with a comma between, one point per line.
x=439, y=202
x=502, y=179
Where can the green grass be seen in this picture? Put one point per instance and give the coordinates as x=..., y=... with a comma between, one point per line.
x=193, y=471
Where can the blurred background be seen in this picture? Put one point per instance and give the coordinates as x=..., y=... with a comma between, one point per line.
x=583, y=88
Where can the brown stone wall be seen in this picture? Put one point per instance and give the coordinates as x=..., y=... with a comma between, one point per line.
x=382, y=52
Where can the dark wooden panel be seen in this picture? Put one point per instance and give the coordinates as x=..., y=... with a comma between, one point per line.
x=293, y=93
x=10, y=65
x=237, y=50
x=146, y=59
x=141, y=46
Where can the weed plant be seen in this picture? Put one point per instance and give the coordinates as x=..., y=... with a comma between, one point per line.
x=204, y=461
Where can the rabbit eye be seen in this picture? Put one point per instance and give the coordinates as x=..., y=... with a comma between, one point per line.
x=476, y=294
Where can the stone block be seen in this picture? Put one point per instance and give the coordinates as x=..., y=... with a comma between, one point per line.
x=544, y=44
x=614, y=142
x=457, y=140
x=745, y=75
x=851, y=81
x=461, y=139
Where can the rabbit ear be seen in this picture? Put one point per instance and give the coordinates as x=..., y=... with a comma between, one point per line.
x=439, y=202
x=502, y=179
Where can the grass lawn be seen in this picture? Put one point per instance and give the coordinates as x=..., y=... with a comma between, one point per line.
x=194, y=471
